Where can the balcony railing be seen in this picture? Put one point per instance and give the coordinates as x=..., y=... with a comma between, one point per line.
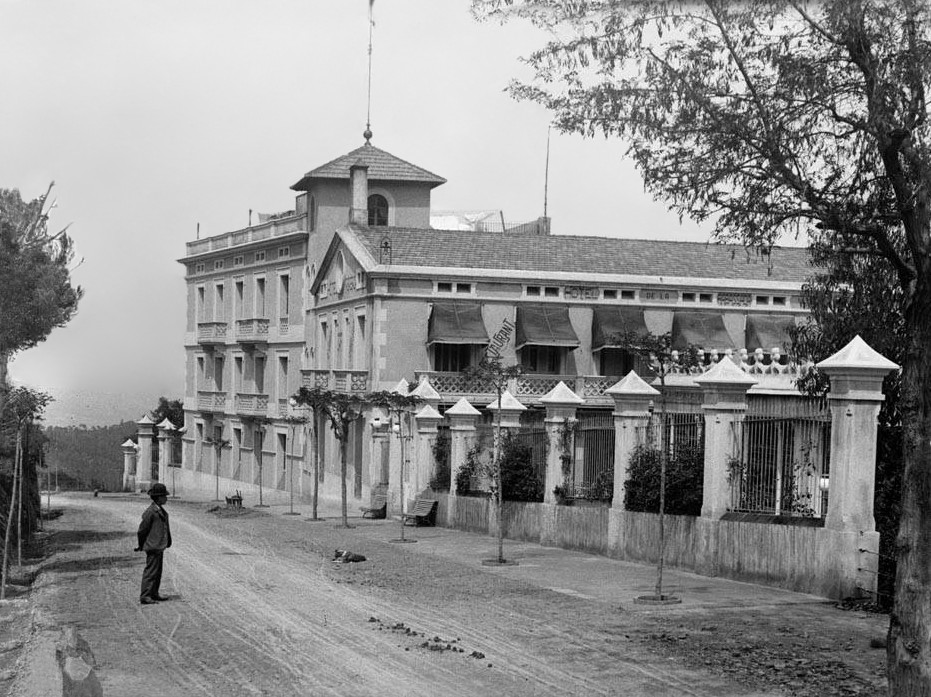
x=252, y=331
x=263, y=231
x=250, y=404
x=211, y=332
x=211, y=401
x=354, y=381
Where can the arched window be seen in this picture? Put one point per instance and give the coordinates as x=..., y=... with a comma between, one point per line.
x=378, y=210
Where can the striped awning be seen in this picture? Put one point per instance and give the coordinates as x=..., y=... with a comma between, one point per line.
x=705, y=330
x=611, y=324
x=456, y=323
x=768, y=331
x=544, y=325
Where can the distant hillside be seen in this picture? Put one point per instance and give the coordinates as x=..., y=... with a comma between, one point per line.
x=77, y=408
x=88, y=458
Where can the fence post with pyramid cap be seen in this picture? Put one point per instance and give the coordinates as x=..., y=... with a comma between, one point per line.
x=462, y=417
x=856, y=373
x=632, y=397
x=561, y=405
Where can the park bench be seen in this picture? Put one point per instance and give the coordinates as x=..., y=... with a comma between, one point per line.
x=234, y=501
x=378, y=509
x=423, y=513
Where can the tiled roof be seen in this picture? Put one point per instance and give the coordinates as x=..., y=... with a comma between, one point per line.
x=382, y=166
x=577, y=254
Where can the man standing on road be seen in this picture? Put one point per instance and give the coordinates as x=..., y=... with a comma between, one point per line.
x=154, y=538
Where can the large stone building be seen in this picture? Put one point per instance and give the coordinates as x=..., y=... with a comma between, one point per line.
x=355, y=291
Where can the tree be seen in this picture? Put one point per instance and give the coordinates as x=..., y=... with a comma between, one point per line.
x=342, y=411
x=774, y=117
x=491, y=371
x=318, y=400
x=658, y=352
x=217, y=442
x=36, y=294
x=21, y=409
x=171, y=409
x=400, y=408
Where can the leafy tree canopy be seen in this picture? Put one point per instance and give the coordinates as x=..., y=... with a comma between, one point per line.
x=36, y=293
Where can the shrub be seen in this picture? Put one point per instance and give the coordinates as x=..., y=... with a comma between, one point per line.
x=440, y=480
x=684, y=481
x=519, y=481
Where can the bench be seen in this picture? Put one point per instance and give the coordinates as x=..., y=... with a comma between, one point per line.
x=234, y=501
x=378, y=509
x=423, y=513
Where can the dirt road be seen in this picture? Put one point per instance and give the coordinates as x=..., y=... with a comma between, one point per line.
x=258, y=608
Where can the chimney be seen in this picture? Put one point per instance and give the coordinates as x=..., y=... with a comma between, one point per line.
x=359, y=189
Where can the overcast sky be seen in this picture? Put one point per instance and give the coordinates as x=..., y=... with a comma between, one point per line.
x=152, y=116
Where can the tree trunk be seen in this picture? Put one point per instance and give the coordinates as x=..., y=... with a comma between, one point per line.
x=9, y=521
x=19, y=498
x=342, y=478
x=316, y=464
x=909, y=647
x=4, y=384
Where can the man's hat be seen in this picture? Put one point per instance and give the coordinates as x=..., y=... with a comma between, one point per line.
x=158, y=489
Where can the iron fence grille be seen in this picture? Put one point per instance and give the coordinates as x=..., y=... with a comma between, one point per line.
x=782, y=466
x=591, y=471
x=532, y=434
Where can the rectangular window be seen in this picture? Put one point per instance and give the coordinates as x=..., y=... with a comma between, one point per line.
x=350, y=343
x=260, y=297
x=284, y=295
x=628, y=295
x=259, y=375
x=218, y=264
x=532, y=290
x=610, y=294
x=282, y=377
x=199, y=268
x=762, y=300
x=218, y=373
x=200, y=372
x=201, y=304
x=360, y=342
x=219, y=307
x=259, y=256
x=238, y=298
x=463, y=287
x=541, y=359
x=237, y=261
x=444, y=287
x=705, y=297
x=452, y=358
x=237, y=444
x=551, y=292
x=688, y=297
x=284, y=252
x=237, y=385
x=779, y=300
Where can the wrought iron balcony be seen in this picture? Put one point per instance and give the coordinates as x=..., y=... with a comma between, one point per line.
x=527, y=388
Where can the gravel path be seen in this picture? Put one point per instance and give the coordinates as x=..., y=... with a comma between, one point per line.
x=257, y=607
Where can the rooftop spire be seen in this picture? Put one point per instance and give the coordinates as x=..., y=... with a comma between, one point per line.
x=367, y=134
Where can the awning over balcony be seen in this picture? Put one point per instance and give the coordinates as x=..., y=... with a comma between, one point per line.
x=610, y=323
x=456, y=323
x=769, y=331
x=702, y=329
x=544, y=325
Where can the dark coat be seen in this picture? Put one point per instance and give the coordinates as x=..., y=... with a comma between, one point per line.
x=154, y=533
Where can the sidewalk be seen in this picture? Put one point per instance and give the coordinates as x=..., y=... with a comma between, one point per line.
x=587, y=576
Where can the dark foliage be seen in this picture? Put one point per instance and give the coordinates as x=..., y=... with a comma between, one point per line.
x=89, y=457
x=684, y=481
x=441, y=475
x=519, y=480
